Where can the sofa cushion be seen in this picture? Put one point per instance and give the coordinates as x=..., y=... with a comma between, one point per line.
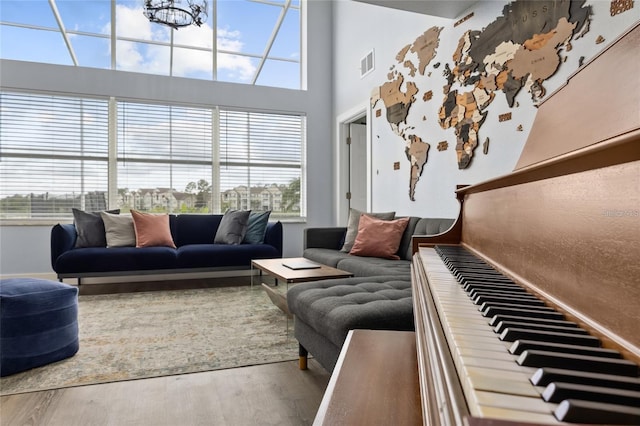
x=256, y=227
x=352, y=226
x=119, y=230
x=223, y=255
x=405, y=242
x=152, y=229
x=195, y=228
x=90, y=228
x=329, y=257
x=372, y=266
x=233, y=227
x=333, y=307
x=378, y=238
x=115, y=259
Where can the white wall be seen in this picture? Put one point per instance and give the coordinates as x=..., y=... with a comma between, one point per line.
x=360, y=27
x=24, y=250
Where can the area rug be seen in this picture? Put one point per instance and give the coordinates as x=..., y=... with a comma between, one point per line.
x=150, y=334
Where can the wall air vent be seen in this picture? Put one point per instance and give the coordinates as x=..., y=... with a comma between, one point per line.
x=366, y=64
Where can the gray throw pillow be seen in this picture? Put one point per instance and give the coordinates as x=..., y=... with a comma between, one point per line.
x=354, y=221
x=119, y=230
x=233, y=227
x=90, y=228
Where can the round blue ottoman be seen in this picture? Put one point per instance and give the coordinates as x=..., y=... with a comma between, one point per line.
x=38, y=323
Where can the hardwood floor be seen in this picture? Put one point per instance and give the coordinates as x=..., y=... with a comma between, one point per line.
x=271, y=394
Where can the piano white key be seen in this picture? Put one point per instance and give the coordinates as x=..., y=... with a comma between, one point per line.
x=500, y=354
x=498, y=384
x=514, y=402
x=496, y=364
x=514, y=415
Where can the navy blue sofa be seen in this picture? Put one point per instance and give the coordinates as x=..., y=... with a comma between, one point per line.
x=193, y=236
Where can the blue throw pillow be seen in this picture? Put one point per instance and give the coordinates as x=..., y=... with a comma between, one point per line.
x=257, y=227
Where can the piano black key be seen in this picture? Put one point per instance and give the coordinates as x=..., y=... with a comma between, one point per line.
x=471, y=286
x=577, y=411
x=541, y=327
x=519, y=346
x=462, y=272
x=535, y=358
x=473, y=268
x=515, y=305
x=519, y=311
x=558, y=392
x=546, y=376
x=486, y=280
x=484, y=298
x=498, y=318
x=512, y=334
x=473, y=292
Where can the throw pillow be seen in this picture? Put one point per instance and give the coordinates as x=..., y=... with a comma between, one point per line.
x=352, y=226
x=233, y=227
x=152, y=230
x=119, y=230
x=256, y=227
x=90, y=228
x=379, y=238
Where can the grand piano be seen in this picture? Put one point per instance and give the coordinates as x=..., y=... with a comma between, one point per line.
x=528, y=309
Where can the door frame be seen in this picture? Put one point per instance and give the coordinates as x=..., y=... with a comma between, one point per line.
x=342, y=159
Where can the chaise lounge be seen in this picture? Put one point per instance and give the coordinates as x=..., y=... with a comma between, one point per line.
x=377, y=297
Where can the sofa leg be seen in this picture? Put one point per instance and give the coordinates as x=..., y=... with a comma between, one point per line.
x=302, y=360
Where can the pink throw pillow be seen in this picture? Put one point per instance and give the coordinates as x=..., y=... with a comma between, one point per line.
x=152, y=229
x=379, y=238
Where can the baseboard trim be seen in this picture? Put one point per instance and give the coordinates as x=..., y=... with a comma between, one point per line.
x=138, y=278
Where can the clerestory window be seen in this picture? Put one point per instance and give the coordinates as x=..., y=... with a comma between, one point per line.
x=242, y=41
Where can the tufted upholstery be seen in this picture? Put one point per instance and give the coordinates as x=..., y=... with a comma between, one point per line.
x=373, y=266
x=333, y=307
x=378, y=297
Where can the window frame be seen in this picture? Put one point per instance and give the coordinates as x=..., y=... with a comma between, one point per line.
x=216, y=162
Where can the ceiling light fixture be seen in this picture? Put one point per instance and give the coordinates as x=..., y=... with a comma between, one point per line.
x=175, y=13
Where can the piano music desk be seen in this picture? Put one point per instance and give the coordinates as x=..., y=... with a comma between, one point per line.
x=375, y=381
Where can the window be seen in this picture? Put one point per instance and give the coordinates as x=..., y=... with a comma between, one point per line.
x=55, y=155
x=249, y=41
x=164, y=158
x=260, y=157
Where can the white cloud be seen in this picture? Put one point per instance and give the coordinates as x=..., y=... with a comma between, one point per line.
x=149, y=58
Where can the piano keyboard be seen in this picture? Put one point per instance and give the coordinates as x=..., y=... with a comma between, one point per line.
x=519, y=359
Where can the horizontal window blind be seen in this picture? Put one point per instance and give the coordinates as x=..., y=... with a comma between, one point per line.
x=261, y=161
x=164, y=158
x=53, y=155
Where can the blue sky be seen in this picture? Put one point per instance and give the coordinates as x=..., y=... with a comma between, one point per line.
x=243, y=27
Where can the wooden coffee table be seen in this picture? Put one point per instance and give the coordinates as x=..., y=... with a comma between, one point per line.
x=276, y=268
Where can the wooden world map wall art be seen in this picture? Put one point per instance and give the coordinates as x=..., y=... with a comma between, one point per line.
x=518, y=50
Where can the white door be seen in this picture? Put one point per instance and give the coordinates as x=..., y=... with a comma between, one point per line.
x=358, y=166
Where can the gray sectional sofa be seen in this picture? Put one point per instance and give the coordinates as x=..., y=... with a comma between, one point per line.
x=377, y=297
